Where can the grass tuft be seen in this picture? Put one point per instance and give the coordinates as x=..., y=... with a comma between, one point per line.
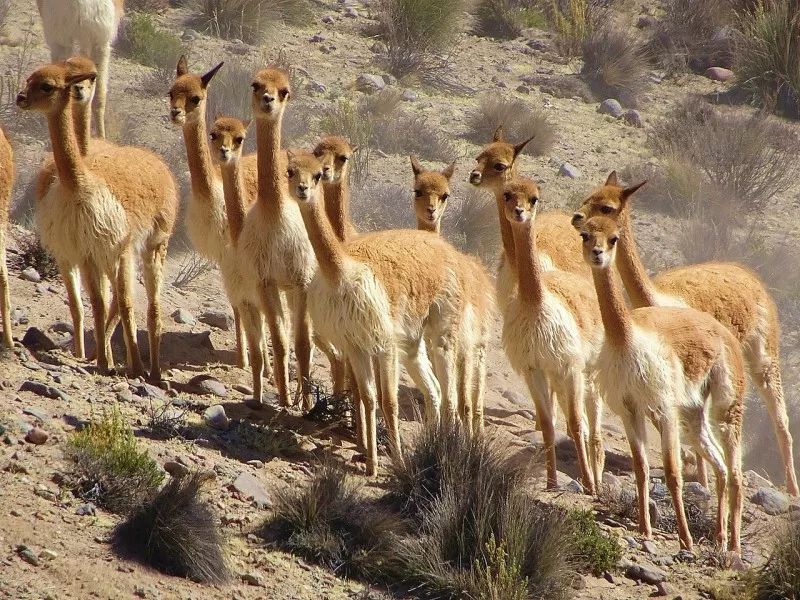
x=595, y=549
x=32, y=254
x=251, y=21
x=779, y=577
x=505, y=19
x=520, y=121
x=144, y=42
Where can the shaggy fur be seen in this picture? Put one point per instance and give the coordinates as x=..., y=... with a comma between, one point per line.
x=101, y=210
x=681, y=369
x=729, y=292
x=334, y=153
x=548, y=333
x=92, y=26
x=7, y=174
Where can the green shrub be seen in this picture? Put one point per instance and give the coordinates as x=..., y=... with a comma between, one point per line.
x=505, y=19
x=595, y=549
x=768, y=56
x=573, y=21
x=519, y=119
x=144, y=42
x=615, y=63
x=108, y=467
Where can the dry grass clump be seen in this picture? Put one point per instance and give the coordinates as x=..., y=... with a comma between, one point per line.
x=573, y=21
x=108, y=467
x=470, y=224
x=148, y=6
x=249, y=20
x=768, y=55
x=505, y=19
x=143, y=41
x=520, y=121
x=779, y=577
x=378, y=206
x=615, y=63
x=175, y=532
x=31, y=253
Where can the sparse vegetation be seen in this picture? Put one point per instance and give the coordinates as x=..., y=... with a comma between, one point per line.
x=33, y=254
x=779, y=577
x=519, y=119
x=109, y=469
x=595, y=549
x=573, y=21
x=175, y=532
x=5, y=9
x=143, y=41
x=192, y=267
x=614, y=63
x=248, y=20
x=470, y=224
x=382, y=206
x=505, y=19
x=165, y=420
x=147, y=6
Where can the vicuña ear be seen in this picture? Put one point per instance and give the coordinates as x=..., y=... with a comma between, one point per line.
x=210, y=75
x=498, y=134
x=628, y=192
x=183, y=66
x=289, y=155
x=415, y=166
x=247, y=124
x=354, y=149
x=73, y=79
x=612, y=179
x=519, y=147
x=449, y=170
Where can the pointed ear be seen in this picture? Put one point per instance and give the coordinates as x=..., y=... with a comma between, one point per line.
x=72, y=80
x=612, y=179
x=247, y=124
x=628, y=192
x=498, y=134
x=210, y=75
x=449, y=170
x=354, y=149
x=415, y=166
x=289, y=155
x=519, y=147
x=183, y=66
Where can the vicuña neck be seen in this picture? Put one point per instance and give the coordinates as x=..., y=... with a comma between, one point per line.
x=435, y=227
x=233, y=189
x=614, y=311
x=637, y=282
x=82, y=119
x=198, y=156
x=327, y=248
x=66, y=153
x=531, y=287
x=337, y=206
x=269, y=159
x=506, y=234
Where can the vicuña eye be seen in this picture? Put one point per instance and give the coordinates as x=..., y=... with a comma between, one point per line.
x=417, y=193
x=444, y=197
x=613, y=241
x=585, y=237
x=606, y=210
x=238, y=139
x=344, y=158
x=282, y=93
x=500, y=167
x=290, y=173
x=195, y=99
x=317, y=177
x=46, y=87
x=507, y=196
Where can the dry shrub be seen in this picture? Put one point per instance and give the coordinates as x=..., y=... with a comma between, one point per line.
x=176, y=533
x=192, y=267
x=470, y=224
x=779, y=577
x=5, y=10
x=615, y=63
x=148, y=6
x=520, y=121
x=413, y=133
x=144, y=42
x=573, y=21
x=32, y=254
x=505, y=19
x=251, y=21
x=768, y=55
x=378, y=206
x=229, y=92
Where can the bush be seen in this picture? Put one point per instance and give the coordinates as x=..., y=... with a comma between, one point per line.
x=779, y=577
x=148, y=6
x=596, y=550
x=32, y=254
x=505, y=19
x=768, y=56
x=573, y=21
x=615, y=63
x=520, y=121
x=251, y=21
x=418, y=33
x=143, y=42
x=176, y=533
x=378, y=206
x=329, y=523
x=109, y=469
x=470, y=224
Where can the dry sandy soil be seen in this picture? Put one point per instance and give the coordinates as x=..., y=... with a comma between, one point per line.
x=33, y=509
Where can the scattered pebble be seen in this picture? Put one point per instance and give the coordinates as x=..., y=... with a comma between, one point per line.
x=771, y=501
x=183, y=316
x=611, y=106
x=218, y=319
x=31, y=274
x=86, y=510
x=18, y=317
x=205, y=384
x=250, y=488
x=719, y=74
x=42, y=389
x=176, y=469
x=36, y=436
x=633, y=118
x=36, y=339
x=568, y=170
x=253, y=579
x=215, y=417
x=27, y=555
x=369, y=83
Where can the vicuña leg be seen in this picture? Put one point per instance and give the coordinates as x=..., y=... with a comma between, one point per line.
x=242, y=360
x=571, y=393
x=365, y=374
x=637, y=439
x=5, y=298
x=444, y=359
x=389, y=370
x=671, y=452
x=545, y=416
x=419, y=368
x=101, y=54
x=70, y=276
x=95, y=284
x=594, y=413
x=153, y=266
x=253, y=323
x=465, y=372
x=478, y=388
x=302, y=346
x=273, y=310
x=125, y=305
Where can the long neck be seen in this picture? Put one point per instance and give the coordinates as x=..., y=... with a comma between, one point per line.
x=269, y=159
x=233, y=188
x=531, y=287
x=82, y=119
x=506, y=234
x=66, y=153
x=337, y=206
x=637, y=282
x=327, y=247
x=428, y=226
x=616, y=316
x=198, y=156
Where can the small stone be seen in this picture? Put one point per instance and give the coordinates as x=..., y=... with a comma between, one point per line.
x=649, y=546
x=610, y=106
x=243, y=389
x=574, y=486
x=256, y=463
x=663, y=561
x=632, y=543
x=350, y=12
x=86, y=510
x=36, y=339
x=568, y=170
x=36, y=436
x=696, y=492
x=685, y=556
x=48, y=555
x=62, y=327
x=205, y=384
x=718, y=74
x=176, y=469
x=41, y=415
x=655, y=512
x=409, y=96
x=633, y=118
x=645, y=21
x=189, y=35
x=328, y=20
x=316, y=87
x=611, y=481
x=642, y=574
x=250, y=488
x=31, y=274
x=379, y=48
x=18, y=317
x=523, y=89
x=183, y=316
x=41, y=389
x=215, y=416
x=218, y=319
x=771, y=501
x=754, y=480
x=516, y=398
x=658, y=490
x=28, y=555
x=389, y=79
x=369, y=83
x=146, y=390
x=253, y=579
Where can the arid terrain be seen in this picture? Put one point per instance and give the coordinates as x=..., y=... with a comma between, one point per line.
x=328, y=55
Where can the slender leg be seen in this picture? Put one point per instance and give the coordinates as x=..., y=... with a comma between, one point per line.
x=389, y=370
x=94, y=284
x=594, y=412
x=478, y=388
x=70, y=275
x=365, y=374
x=542, y=398
x=637, y=438
x=670, y=450
x=443, y=348
x=571, y=389
x=253, y=324
x=465, y=371
x=420, y=370
x=302, y=346
x=272, y=306
x=241, y=341
x=125, y=304
x=702, y=472
x=5, y=299
x=101, y=54
x=359, y=415
x=153, y=266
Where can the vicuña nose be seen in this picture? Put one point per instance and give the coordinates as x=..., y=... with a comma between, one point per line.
x=175, y=112
x=21, y=97
x=431, y=210
x=302, y=187
x=519, y=210
x=597, y=251
x=267, y=98
x=475, y=176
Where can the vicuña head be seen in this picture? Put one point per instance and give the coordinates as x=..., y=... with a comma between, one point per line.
x=520, y=200
x=271, y=91
x=600, y=236
x=83, y=91
x=187, y=96
x=304, y=176
x=45, y=86
x=431, y=191
x=227, y=139
x=608, y=200
x=334, y=153
x=494, y=165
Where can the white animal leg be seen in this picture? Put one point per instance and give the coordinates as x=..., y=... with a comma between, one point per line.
x=101, y=54
x=5, y=299
x=273, y=309
x=125, y=304
x=542, y=399
x=253, y=323
x=69, y=273
x=420, y=370
x=365, y=375
x=637, y=439
x=302, y=346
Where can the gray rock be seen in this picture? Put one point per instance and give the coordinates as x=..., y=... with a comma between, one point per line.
x=42, y=415
x=183, y=316
x=754, y=480
x=718, y=74
x=685, y=556
x=328, y=20
x=316, y=86
x=31, y=274
x=28, y=555
x=409, y=96
x=648, y=575
x=612, y=482
x=253, y=578
x=18, y=317
x=86, y=510
x=351, y=12
x=655, y=512
x=658, y=490
x=189, y=35
x=176, y=469
x=146, y=390
x=389, y=79
x=243, y=389
x=610, y=106
x=646, y=21
x=36, y=339
x=316, y=38
x=771, y=501
x=250, y=488
x=663, y=561
x=696, y=492
x=215, y=417
x=574, y=486
x=379, y=48
x=649, y=546
x=205, y=384
x=218, y=319
x=62, y=327
x=632, y=543
x=369, y=83
x=568, y=170
x=42, y=389
x=36, y=436
x=633, y=118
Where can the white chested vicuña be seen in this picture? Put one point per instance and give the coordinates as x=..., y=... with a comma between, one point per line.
x=549, y=328
x=681, y=369
x=100, y=211
x=729, y=292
